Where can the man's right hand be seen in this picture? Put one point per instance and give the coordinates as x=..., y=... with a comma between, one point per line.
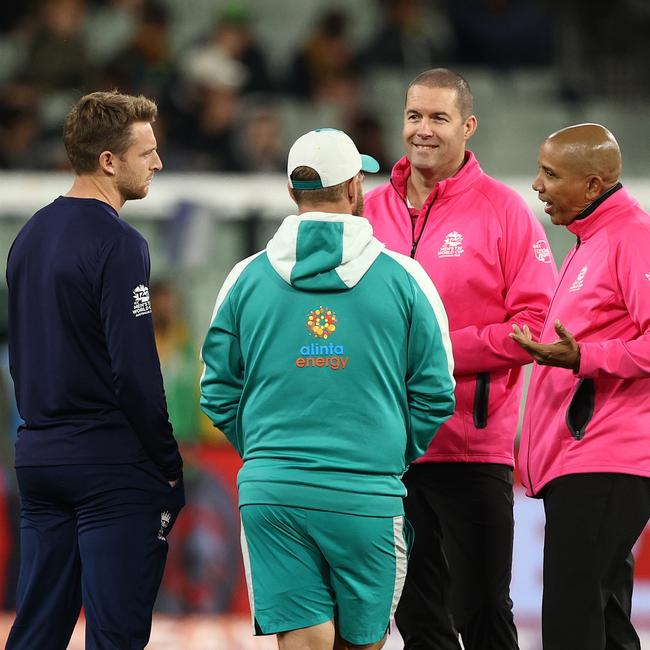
x=564, y=353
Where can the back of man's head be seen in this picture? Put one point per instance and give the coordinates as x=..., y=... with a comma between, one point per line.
x=101, y=121
x=321, y=162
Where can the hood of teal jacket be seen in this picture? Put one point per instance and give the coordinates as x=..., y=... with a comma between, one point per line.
x=322, y=251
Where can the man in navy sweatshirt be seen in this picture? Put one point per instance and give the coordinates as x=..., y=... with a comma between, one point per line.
x=98, y=468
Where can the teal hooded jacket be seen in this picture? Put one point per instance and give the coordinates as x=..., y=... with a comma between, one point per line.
x=328, y=366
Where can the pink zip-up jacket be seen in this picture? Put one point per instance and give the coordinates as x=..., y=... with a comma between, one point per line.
x=598, y=419
x=491, y=263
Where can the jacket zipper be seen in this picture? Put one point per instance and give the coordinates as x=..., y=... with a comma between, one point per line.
x=557, y=286
x=424, y=225
x=408, y=213
x=415, y=243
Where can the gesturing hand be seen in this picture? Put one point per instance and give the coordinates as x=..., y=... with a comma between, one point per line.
x=564, y=353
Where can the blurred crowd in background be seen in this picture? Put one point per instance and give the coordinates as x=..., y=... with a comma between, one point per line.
x=230, y=77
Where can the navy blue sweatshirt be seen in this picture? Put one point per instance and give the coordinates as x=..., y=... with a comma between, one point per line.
x=82, y=352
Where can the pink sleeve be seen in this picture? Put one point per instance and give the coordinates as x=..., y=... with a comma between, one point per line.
x=530, y=277
x=629, y=358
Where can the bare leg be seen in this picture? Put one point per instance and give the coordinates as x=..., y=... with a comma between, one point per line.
x=316, y=637
x=342, y=644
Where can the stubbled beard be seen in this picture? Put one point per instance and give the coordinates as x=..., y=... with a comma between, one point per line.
x=357, y=211
x=133, y=192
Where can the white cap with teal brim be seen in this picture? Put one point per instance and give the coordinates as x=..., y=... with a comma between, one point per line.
x=331, y=154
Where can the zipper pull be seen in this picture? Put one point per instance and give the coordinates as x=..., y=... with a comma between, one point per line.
x=413, y=248
x=578, y=242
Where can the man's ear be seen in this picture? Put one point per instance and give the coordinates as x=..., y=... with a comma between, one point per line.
x=350, y=188
x=595, y=188
x=107, y=162
x=469, y=128
x=353, y=188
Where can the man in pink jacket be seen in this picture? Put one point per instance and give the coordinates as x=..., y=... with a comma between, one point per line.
x=585, y=445
x=491, y=264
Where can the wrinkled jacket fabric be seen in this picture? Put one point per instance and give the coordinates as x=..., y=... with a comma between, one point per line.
x=328, y=366
x=492, y=266
x=598, y=419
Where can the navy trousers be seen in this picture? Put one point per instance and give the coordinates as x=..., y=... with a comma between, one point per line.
x=92, y=535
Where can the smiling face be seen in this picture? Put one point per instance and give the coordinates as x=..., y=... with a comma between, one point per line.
x=137, y=165
x=435, y=133
x=561, y=185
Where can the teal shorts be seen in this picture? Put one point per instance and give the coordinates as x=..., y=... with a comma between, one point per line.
x=305, y=567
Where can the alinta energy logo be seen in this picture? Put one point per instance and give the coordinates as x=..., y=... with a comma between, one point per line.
x=322, y=324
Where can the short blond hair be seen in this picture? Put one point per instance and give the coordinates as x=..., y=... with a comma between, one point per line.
x=101, y=121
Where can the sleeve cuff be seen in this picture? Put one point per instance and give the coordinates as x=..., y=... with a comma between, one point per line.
x=587, y=367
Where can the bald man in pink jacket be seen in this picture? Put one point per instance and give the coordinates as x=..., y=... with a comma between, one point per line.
x=585, y=445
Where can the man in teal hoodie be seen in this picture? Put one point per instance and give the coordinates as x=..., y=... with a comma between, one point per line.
x=328, y=366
